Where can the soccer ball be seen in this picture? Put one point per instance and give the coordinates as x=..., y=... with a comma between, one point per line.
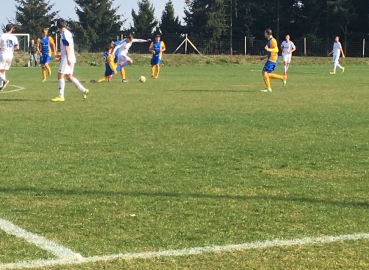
x=142, y=79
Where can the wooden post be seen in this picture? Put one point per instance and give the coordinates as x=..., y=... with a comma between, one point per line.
x=186, y=44
x=364, y=47
x=245, y=45
x=305, y=46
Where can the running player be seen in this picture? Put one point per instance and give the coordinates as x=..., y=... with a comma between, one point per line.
x=67, y=61
x=157, y=48
x=337, y=50
x=123, y=58
x=45, y=45
x=272, y=61
x=8, y=43
x=288, y=47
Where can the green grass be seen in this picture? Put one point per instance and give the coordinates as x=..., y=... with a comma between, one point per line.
x=199, y=157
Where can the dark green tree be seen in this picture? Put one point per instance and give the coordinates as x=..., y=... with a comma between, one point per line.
x=98, y=24
x=144, y=20
x=32, y=16
x=170, y=24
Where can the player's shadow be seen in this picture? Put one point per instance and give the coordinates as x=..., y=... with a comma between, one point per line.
x=222, y=91
x=106, y=194
x=22, y=99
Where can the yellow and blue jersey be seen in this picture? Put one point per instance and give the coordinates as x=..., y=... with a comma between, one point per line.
x=44, y=45
x=272, y=54
x=157, y=47
x=110, y=66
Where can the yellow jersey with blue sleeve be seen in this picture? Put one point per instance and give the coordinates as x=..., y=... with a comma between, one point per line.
x=272, y=55
x=157, y=47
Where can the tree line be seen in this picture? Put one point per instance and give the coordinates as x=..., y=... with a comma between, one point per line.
x=98, y=20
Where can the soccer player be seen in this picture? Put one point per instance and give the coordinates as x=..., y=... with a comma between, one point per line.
x=337, y=50
x=115, y=43
x=123, y=58
x=110, y=67
x=272, y=61
x=8, y=43
x=157, y=48
x=288, y=47
x=45, y=45
x=67, y=61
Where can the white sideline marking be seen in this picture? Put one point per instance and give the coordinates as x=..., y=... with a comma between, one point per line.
x=188, y=251
x=41, y=242
x=17, y=88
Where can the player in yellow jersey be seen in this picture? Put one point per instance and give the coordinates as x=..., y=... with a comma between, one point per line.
x=272, y=61
x=110, y=66
x=157, y=48
x=45, y=46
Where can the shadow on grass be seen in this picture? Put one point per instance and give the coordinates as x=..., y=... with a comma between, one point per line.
x=75, y=192
x=22, y=99
x=219, y=91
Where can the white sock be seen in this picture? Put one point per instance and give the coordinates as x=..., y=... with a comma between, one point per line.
x=2, y=77
x=285, y=69
x=334, y=67
x=77, y=84
x=61, y=84
x=125, y=64
x=338, y=65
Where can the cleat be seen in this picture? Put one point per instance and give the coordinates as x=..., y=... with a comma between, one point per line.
x=152, y=77
x=332, y=73
x=124, y=81
x=4, y=85
x=85, y=94
x=157, y=76
x=343, y=69
x=58, y=99
x=266, y=90
x=49, y=72
x=43, y=80
x=93, y=81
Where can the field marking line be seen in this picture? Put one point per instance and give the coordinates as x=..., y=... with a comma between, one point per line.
x=40, y=241
x=188, y=251
x=18, y=88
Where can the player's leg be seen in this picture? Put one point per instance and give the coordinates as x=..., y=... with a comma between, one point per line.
x=157, y=68
x=43, y=68
x=47, y=64
x=335, y=63
x=266, y=78
x=5, y=64
x=76, y=82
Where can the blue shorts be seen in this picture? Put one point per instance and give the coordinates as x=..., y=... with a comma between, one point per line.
x=44, y=59
x=270, y=66
x=108, y=70
x=155, y=61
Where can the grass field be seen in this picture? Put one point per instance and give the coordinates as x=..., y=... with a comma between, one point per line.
x=196, y=158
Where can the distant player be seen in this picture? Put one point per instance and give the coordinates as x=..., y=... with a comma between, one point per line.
x=67, y=61
x=110, y=67
x=272, y=61
x=45, y=46
x=157, y=48
x=288, y=47
x=123, y=58
x=8, y=43
x=337, y=50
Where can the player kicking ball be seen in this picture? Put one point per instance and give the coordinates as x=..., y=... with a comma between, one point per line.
x=110, y=66
x=67, y=61
x=337, y=50
x=271, y=63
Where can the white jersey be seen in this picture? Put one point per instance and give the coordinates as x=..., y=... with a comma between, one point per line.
x=124, y=46
x=7, y=43
x=287, y=47
x=337, y=48
x=66, y=39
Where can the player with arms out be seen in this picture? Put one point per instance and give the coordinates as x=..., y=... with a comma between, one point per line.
x=157, y=48
x=272, y=61
x=67, y=61
x=110, y=66
x=288, y=47
x=337, y=50
x=123, y=58
x=8, y=43
x=45, y=45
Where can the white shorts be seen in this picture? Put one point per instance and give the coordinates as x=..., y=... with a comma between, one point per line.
x=64, y=68
x=122, y=59
x=335, y=59
x=287, y=58
x=5, y=62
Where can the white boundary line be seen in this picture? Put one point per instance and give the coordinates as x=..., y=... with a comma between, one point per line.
x=188, y=251
x=41, y=242
x=17, y=88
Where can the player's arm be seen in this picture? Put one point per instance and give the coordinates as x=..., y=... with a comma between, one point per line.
x=38, y=46
x=293, y=48
x=330, y=53
x=273, y=46
x=52, y=45
x=116, y=48
x=343, y=55
x=151, y=48
x=162, y=47
x=140, y=40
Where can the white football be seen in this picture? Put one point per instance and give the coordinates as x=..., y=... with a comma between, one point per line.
x=142, y=79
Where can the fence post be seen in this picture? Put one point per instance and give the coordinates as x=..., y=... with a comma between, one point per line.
x=364, y=47
x=245, y=45
x=305, y=46
x=186, y=44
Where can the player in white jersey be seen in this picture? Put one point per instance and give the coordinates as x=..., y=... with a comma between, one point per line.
x=288, y=47
x=67, y=61
x=8, y=43
x=123, y=58
x=337, y=50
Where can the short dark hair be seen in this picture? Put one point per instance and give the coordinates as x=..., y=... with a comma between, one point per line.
x=130, y=36
x=107, y=48
x=268, y=31
x=60, y=23
x=157, y=35
x=9, y=27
